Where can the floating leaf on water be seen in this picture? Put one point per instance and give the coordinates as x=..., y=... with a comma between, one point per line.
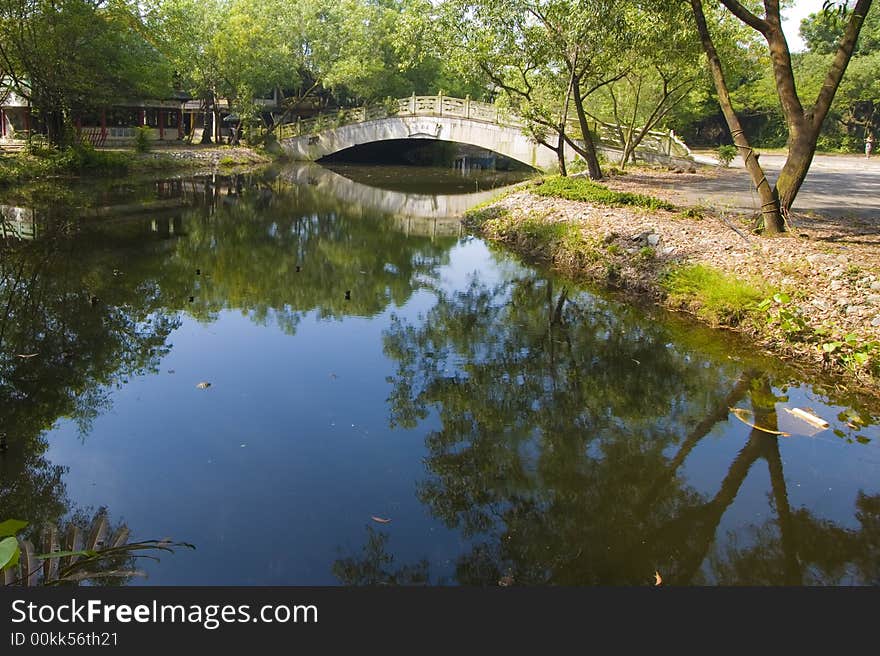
x=861, y=439
x=203, y=385
x=381, y=520
x=26, y=355
x=744, y=415
x=657, y=578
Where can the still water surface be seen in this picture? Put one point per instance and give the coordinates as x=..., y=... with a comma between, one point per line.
x=370, y=362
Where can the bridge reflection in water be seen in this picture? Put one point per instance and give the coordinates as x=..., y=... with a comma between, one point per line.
x=414, y=212
x=397, y=193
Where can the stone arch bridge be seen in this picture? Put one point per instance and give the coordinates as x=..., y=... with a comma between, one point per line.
x=457, y=120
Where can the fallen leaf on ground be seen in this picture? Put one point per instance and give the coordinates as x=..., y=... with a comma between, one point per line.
x=381, y=520
x=203, y=385
x=742, y=413
x=657, y=578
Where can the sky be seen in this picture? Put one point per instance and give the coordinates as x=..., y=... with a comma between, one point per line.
x=792, y=21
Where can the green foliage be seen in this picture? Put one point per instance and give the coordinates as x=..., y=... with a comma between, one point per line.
x=780, y=312
x=822, y=30
x=391, y=106
x=78, y=55
x=142, y=139
x=714, y=295
x=693, y=213
x=726, y=154
x=9, y=553
x=585, y=190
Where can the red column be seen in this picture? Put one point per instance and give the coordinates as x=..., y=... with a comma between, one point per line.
x=180, y=124
x=161, y=125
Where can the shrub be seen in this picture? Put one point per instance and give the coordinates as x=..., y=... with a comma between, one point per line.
x=726, y=154
x=142, y=139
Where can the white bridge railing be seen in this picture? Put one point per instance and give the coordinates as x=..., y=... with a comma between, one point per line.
x=664, y=143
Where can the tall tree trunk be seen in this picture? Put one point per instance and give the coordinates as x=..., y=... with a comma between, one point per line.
x=805, y=125
x=801, y=148
x=207, y=120
x=560, y=153
x=588, y=152
x=771, y=212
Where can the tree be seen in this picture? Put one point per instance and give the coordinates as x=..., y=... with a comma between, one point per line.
x=72, y=56
x=821, y=32
x=657, y=79
x=545, y=57
x=804, y=123
x=563, y=427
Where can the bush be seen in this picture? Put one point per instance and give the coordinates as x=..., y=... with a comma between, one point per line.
x=391, y=106
x=726, y=154
x=142, y=139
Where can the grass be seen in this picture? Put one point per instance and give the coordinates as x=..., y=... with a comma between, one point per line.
x=587, y=191
x=714, y=295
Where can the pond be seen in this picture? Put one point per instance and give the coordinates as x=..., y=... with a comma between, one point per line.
x=316, y=377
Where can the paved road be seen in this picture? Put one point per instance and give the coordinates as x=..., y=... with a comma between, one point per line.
x=837, y=185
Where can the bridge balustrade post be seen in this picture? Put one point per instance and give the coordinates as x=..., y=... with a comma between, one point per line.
x=299, y=129
x=412, y=104
x=467, y=106
x=440, y=103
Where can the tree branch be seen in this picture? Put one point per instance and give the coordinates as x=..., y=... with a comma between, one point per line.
x=746, y=16
x=841, y=61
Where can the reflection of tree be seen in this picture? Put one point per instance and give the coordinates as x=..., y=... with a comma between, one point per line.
x=281, y=251
x=375, y=566
x=93, y=300
x=69, y=331
x=563, y=428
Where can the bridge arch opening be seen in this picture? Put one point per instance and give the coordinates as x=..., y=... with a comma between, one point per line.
x=427, y=153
